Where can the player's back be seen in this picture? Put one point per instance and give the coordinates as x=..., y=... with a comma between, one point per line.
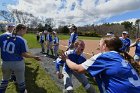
x=12, y=47
x=118, y=72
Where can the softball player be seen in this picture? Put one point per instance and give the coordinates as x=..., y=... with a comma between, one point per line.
x=137, y=50
x=49, y=41
x=73, y=36
x=42, y=41
x=126, y=41
x=10, y=28
x=77, y=57
x=13, y=49
x=115, y=74
x=55, y=44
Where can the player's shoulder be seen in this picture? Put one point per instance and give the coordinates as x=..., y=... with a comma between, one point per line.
x=110, y=53
x=21, y=39
x=5, y=35
x=112, y=56
x=96, y=56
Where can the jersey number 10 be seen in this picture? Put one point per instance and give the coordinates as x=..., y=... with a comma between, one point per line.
x=8, y=47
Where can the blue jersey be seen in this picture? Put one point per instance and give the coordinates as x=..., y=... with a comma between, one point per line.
x=126, y=43
x=137, y=51
x=49, y=38
x=73, y=57
x=12, y=47
x=73, y=38
x=42, y=38
x=56, y=40
x=113, y=73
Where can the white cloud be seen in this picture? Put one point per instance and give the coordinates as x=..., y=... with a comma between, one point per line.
x=130, y=20
x=3, y=22
x=79, y=12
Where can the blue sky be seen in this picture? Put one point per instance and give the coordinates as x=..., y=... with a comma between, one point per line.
x=80, y=12
x=125, y=16
x=3, y=3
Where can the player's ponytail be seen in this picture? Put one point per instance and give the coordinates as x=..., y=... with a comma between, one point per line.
x=130, y=59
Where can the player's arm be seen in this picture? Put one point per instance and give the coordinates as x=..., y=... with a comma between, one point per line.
x=76, y=67
x=134, y=44
x=29, y=55
x=25, y=51
x=58, y=63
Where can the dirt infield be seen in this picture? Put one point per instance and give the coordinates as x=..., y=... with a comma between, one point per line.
x=91, y=46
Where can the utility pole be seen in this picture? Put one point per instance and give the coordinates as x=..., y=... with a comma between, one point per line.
x=138, y=28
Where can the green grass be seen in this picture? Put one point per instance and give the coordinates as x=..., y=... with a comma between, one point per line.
x=40, y=81
x=31, y=40
x=82, y=90
x=37, y=79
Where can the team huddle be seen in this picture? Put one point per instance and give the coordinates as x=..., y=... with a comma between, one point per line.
x=112, y=68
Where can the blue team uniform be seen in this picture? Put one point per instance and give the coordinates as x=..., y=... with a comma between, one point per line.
x=126, y=43
x=42, y=38
x=73, y=57
x=56, y=47
x=137, y=51
x=113, y=73
x=49, y=38
x=73, y=38
x=67, y=72
x=49, y=43
x=56, y=40
x=12, y=47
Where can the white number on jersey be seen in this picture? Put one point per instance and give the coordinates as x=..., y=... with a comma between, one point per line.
x=136, y=83
x=7, y=45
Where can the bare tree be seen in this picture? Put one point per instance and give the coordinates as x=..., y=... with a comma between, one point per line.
x=8, y=16
x=22, y=17
x=35, y=22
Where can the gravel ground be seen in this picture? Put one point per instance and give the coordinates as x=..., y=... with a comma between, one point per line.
x=49, y=66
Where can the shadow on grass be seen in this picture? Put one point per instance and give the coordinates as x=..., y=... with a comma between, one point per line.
x=30, y=78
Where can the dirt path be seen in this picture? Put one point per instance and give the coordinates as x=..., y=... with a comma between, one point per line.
x=49, y=66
